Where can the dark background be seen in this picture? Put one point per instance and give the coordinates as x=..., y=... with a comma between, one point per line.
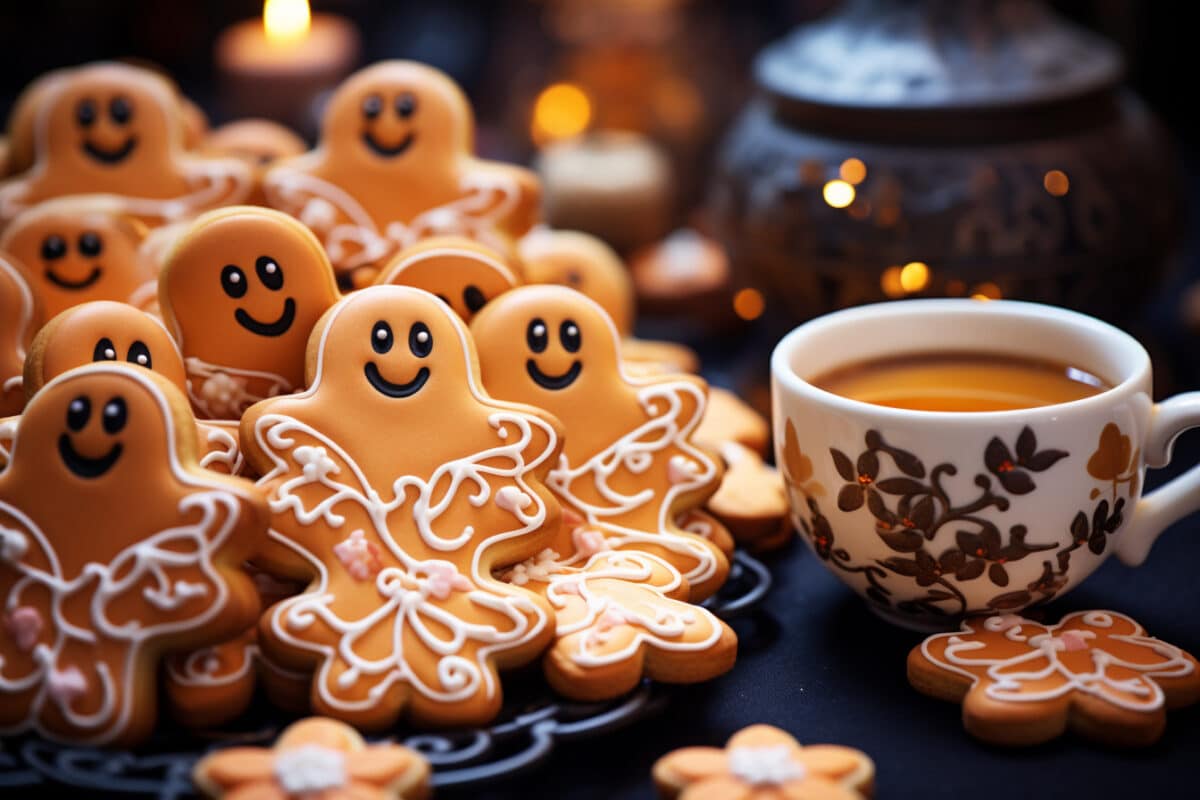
x=814, y=661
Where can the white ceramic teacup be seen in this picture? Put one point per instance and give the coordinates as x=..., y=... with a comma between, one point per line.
x=931, y=515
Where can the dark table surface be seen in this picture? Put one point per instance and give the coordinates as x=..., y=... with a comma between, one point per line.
x=815, y=662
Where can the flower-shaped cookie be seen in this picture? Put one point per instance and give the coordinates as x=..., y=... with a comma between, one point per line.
x=765, y=763
x=629, y=466
x=315, y=759
x=1023, y=682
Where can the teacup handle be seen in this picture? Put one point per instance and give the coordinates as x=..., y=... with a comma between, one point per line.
x=1167, y=504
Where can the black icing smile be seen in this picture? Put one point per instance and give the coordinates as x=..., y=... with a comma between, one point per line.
x=110, y=156
x=83, y=466
x=553, y=382
x=276, y=328
x=389, y=389
x=387, y=151
x=63, y=283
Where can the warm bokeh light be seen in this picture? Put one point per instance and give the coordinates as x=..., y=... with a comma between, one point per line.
x=1056, y=182
x=853, y=171
x=838, y=194
x=749, y=304
x=914, y=276
x=986, y=291
x=955, y=287
x=889, y=281
x=286, y=20
x=562, y=110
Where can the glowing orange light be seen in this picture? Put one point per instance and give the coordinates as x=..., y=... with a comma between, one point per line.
x=1056, y=182
x=838, y=194
x=286, y=21
x=986, y=291
x=914, y=276
x=562, y=110
x=853, y=171
x=890, y=282
x=749, y=304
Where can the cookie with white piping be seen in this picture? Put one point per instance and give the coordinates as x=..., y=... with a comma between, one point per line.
x=629, y=466
x=462, y=273
x=398, y=486
x=1021, y=682
x=110, y=450
x=112, y=128
x=396, y=164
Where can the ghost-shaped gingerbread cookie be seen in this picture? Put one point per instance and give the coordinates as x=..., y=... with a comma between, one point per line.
x=395, y=165
x=462, y=273
x=400, y=486
x=115, y=548
x=20, y=316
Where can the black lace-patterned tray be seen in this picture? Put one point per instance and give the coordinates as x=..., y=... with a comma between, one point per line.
x=524, y=735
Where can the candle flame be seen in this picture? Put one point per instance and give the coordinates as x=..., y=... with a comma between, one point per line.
x=286, y=21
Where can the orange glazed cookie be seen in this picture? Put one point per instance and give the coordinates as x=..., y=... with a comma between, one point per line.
x=116, y=129
x=315, y=759
x=584, y=263
x=462, y=273
x=20, y=316
x=628, y=465
x=81, y=248
x=394, y=165
x=257, y=142
x=115, y=547
x=241, y=290
x=108, y=331
x=765, y=763
x=398, y=486
x=1022, y=682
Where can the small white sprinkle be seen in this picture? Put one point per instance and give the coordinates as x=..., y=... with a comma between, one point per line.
x=381, y=334
x=110, y=354
x=111, y=410
x=539, y=330
x=271, y=267
x=142, y=360
x=235, y=277
x=572, y=331
x=423, y=337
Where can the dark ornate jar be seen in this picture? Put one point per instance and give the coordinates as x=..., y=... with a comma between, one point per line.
x=946, y=147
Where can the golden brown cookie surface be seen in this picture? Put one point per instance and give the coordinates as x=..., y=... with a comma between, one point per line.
x=462, y=273
x=20, y=316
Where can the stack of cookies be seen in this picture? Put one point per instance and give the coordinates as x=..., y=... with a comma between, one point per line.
x=369, y=446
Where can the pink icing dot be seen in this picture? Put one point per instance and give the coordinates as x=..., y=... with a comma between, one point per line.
x=681, y=469
x=588, y=542
x=1073, y=641
x=24, y=625
x=611, y=618
x=359, y=556
x=66, y=685
x=444, y=578
x=512, y=499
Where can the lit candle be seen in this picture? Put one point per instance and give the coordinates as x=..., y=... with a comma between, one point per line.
x=276, y=67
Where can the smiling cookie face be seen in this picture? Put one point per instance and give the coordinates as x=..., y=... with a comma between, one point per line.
x=103, y=331
x=461, y=273
x=80, y=249
x=109, y=128
x=242, y=289
x=397, y=115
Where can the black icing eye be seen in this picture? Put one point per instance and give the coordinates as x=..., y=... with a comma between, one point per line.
x=568, y=334
x=53, y=247
x=233, y=281
x=406, y=105
x=139, y=354
x=120, y=110
x=372, y=105
x=90, y=243
x=78, y=413
x=537, y=336
x=474, y=298
x=104, y=351
x=381, y=337
x=269, y=272
x=420, y=340
x=85, y=112
x=115, y=415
